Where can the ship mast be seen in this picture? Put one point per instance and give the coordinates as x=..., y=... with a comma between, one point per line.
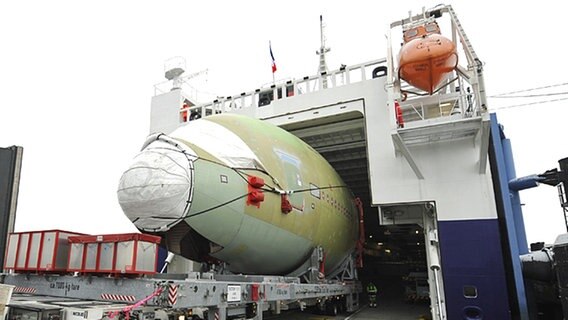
x=321, y=52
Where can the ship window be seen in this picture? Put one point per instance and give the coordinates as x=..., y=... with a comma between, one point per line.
x=265, y=97
x=470, y=292
x=411, y=33
x=432, y=28
x=290, y=90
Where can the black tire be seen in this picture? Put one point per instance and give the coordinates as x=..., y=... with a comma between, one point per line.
x=342, y=307
x=319, y=309
x=332, y=309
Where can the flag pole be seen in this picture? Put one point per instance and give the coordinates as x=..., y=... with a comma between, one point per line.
x=273, y=63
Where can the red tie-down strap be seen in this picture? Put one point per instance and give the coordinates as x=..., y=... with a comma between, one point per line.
x=361, y=241
x=255, y=194
x=322, y=264
x=286, y=206
x=126, y=310
x=398, y=111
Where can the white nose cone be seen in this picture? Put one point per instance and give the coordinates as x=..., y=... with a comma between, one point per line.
x=155, y=192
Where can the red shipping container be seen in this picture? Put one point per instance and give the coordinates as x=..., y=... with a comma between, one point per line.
x=130, y=253
x=45, y=251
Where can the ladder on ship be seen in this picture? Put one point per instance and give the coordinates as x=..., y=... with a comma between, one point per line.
x=472, y=56
x=474, y=64
x=559, y=178
x=563, y=202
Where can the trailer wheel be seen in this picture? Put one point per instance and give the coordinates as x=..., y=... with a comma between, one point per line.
x=332, y=309
x=342, y=307
x=321, y=308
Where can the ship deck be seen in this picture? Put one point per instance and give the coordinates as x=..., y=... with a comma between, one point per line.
x=390, y=306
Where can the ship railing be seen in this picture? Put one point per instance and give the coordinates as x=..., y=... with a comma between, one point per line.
x=456, y=105
x=248, y=102
x=167, y=86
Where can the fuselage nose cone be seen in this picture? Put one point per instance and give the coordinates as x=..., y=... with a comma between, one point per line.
x=155, y=192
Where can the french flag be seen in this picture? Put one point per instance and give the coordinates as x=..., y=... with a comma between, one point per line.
x=272, y=56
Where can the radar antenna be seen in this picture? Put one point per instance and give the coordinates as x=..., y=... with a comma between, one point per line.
x=321, y=52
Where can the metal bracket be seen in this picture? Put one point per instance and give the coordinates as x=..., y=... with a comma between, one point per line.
x=401, y=146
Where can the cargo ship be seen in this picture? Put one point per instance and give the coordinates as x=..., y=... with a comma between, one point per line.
x=301, y=193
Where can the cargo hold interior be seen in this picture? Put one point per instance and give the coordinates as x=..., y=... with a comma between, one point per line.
x=394, y=255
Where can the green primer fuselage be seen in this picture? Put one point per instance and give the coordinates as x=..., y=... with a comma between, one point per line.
x=262, y=239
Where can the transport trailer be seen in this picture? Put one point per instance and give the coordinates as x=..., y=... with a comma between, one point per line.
x=105, y=270
x=194, y=295
x=115, y=274
x=25, y=306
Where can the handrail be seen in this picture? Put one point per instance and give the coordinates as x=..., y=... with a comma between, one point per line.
x=463, y=103
x=439, y=308
x=259, y=98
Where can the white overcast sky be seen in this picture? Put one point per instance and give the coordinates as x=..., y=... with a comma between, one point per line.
x=76, y=79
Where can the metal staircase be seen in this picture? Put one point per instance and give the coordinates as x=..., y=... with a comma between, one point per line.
x=470, y=53
x=563, y=202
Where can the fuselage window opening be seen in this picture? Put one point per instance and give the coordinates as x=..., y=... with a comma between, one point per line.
x=315, y=191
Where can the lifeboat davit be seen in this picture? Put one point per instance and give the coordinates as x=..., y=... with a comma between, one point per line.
x=426, y=57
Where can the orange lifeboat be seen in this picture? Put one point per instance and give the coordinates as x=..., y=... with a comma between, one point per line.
x=426, y=57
